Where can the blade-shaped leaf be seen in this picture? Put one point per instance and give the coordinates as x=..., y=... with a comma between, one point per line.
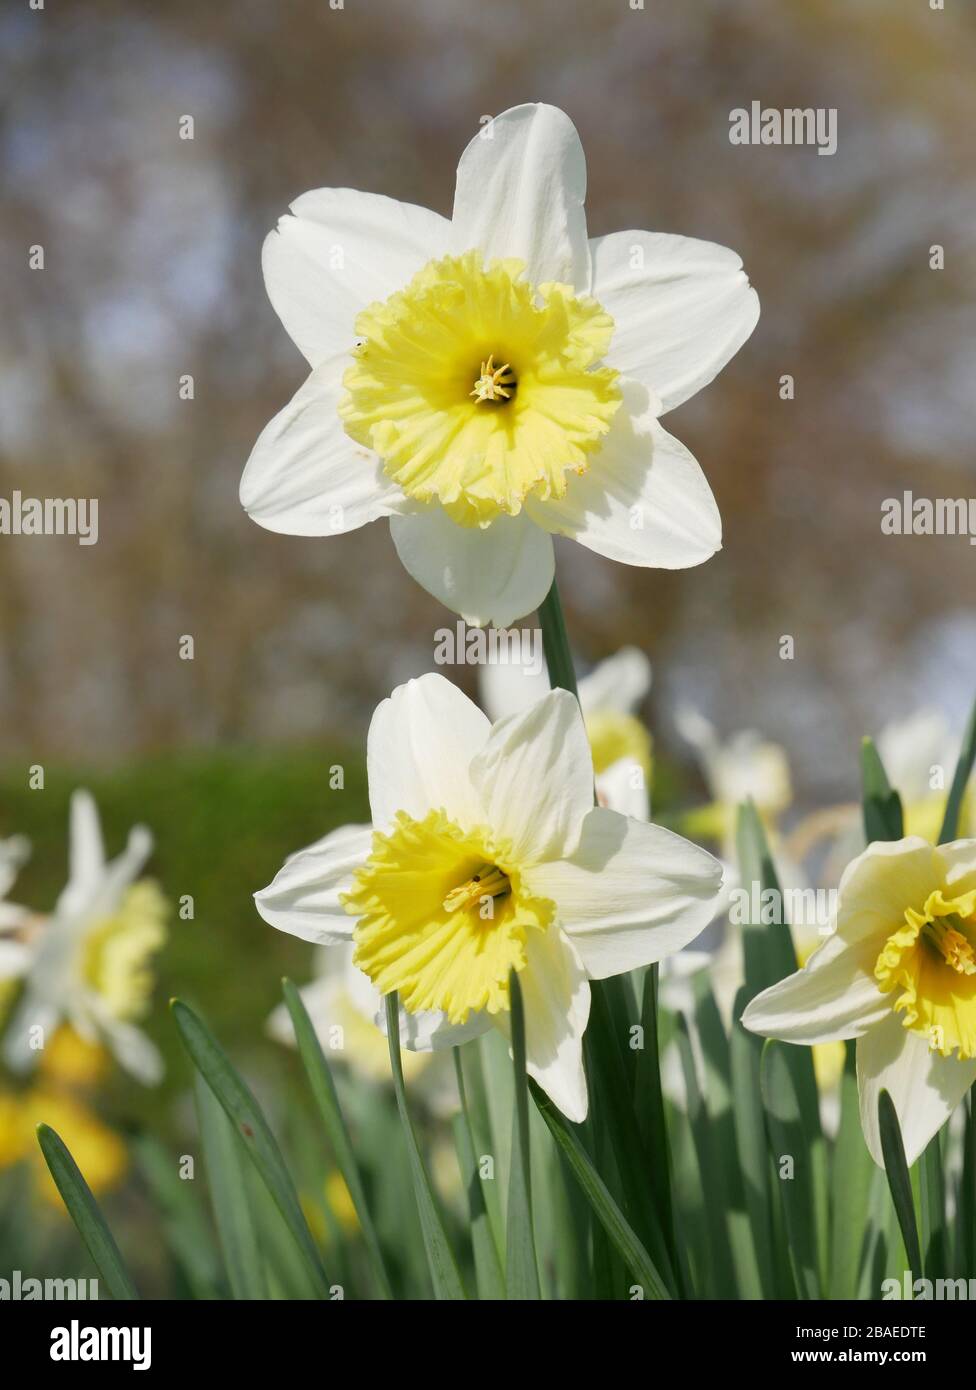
x=250, y=1124
x=964, y=767
x=852, y=1172
x=792, y=1149
x=227, y=1180
x=899, y=1182
x=86, y=1214
x=521, y=1272
x=612, y=1220
x=327, y=1102
x=745, y=1051
x=188, y=1232
x=880, y=804
x=440, y=1258
x=487, y=1265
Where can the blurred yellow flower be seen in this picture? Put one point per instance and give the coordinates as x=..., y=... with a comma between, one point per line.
x=73, y=1061
x=98, y=1151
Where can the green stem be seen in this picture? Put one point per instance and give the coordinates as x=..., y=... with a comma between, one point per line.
x=555, y=642
x=605, y=1041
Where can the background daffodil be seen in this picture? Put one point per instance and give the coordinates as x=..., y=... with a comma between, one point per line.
x=487, y=855
x=899, y=975
x=494, y=379
x=88, y=964
x=609, y=696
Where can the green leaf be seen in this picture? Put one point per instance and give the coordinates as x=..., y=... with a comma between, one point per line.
x=614, y=1120
x=966, y=1204
x=933, y=1210
x=227, y=1180
x=555, y=642
x=720, y=1267
x=649, y=1107
x=487, y=1264
x=745, y=1051
x=440, y=1258
x=327, y=1102
x=86, y=1214
x=852, y=1172
x=791, y=1141
x=249, y=1123
x=611, y=1218
x=188, y=1231
x=967, y=756
x=521, y=1271
x=767, y=946
x=899, y=1182
x=881, y=805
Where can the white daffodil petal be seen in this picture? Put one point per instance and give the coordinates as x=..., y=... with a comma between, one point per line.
x=421, y=743
x=631, y=894
x=15, y=959
x=101, y=898
x=303, y=897
x=339, y=251
x=556, y=1002
x=681, y=308
x=880, y=883
x=34, y=1012
x=834, y=996
x=622, y=787
x=319, y=997
x=495, y=575
x=959, y=861
x=619, y=683
x=305, y=476
x=924, y=1086
x=520, y=188
x=429, y=1031
x=86, y=850
x=506, y=687
x=14, y=852
x=535, y=779
x=643, y=500
x=133, y=1051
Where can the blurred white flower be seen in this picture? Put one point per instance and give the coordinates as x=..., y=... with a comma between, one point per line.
x=741, y=768
x=491, y=380
x=487, y=855
x=610, y=694
x=14, y=953
x=88, y=963
x=344, y=1005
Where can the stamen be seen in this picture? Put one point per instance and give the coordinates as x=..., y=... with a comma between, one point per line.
x=488, y=882
x=491, y=384
x=945, y=935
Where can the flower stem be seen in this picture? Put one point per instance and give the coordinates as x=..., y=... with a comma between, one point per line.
x=609, y=1069
x=555, y=642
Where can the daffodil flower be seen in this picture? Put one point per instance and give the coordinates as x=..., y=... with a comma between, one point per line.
x=493, y=379
x=343, y=1005
x=487, y=855
x=609, y=695
x=743, y=767
x=13, y=953
x=88, y=965
x=898, y=973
